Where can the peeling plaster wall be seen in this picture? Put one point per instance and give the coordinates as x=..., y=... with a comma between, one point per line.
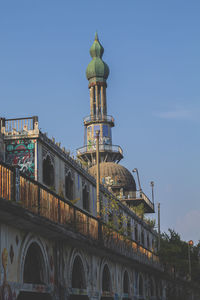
x=59, y=257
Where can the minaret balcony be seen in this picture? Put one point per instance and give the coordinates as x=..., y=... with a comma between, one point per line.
x=99, y=119
x=137, y=198
x=107, y=152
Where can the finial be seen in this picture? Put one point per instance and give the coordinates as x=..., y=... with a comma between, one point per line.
x=96, y=37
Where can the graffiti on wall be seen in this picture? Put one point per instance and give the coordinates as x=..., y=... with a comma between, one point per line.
x=22, y=153
x=5, y=289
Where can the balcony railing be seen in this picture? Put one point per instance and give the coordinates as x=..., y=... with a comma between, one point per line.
x=138, y=196
x=31, y=195
x=19, y=124
x=100, y=118
x=102, y=147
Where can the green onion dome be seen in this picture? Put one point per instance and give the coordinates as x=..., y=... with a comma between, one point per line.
x=97, y=69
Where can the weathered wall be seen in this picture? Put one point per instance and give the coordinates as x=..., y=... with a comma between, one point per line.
x=59, y=257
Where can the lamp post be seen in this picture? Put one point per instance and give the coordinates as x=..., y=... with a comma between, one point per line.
x=138, y=178
x=98, y=174
x=190, y=244
x=152, y=190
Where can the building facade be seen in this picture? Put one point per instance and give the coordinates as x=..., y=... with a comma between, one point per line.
x=54, y=244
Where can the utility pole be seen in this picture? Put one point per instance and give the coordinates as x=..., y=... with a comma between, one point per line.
x=98, y=174
x=190, y=243
x=158, y=226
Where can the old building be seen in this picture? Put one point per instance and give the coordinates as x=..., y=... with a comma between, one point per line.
x=54, y=244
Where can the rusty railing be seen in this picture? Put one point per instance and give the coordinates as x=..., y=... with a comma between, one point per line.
x=35, y=197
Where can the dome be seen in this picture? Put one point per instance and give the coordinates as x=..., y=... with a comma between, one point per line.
x=97, y=67
x=115, y=176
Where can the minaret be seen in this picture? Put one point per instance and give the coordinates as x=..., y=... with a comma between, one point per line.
x=97, y=73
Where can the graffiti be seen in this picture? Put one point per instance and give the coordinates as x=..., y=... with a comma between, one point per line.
x=21, y=153
x=5, y=289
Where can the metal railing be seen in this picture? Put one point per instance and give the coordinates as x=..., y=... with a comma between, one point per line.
x=102, y=147
x=18, y=124
x=99, y=117
x=139, y=195
x=39, y=200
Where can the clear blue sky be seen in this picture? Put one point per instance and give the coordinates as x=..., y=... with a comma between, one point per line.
x=153, y=51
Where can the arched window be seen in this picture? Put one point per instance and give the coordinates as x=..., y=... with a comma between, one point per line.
x=86, y=204
x=141, y=286
x=48, y=172
x=126, y=283
x=152, y=287
x=106, y=280
x=69, y=186
x=78, y=274
x=34, y=265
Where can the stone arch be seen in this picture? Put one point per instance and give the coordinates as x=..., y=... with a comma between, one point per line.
x=141, y=286
x=30, y=245
x=126, y=284
x=78, y=261
x=152, y=287
x=106, y=286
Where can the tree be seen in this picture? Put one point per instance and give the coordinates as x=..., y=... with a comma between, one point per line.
x=174, y=254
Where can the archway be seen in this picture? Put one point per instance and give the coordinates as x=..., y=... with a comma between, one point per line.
x=34, y=274
x=34, y=265
x=126, y=286
x=152, y=288
x=78, y=280
x=106, y=284
x=141, y=287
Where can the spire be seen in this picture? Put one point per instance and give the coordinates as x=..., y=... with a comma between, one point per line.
x=97, y=69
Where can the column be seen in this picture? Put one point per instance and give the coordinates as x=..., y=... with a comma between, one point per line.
x=97, y=100
x=92, y=102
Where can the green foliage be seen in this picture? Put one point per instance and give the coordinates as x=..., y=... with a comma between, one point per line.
x=150, y=222
x=174, y=252
x=138, y=210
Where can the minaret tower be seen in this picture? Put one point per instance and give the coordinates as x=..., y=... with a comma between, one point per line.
x=97, y=73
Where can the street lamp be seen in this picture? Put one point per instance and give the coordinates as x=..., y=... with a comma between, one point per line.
x=152, y=189
x=136, y=171
x=190, y=244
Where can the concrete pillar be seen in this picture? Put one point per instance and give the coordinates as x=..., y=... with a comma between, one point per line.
x=97, y=100
x=102, y=101
x=92, y=102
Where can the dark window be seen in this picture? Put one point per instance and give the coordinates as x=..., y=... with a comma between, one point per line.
x=48, y=172
x=141, y=286
x=34, y=265
x=106, y=280
x=78, y=275
x=126, y=283
x=152, y=288
x=69, y=186
x=86, y=205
